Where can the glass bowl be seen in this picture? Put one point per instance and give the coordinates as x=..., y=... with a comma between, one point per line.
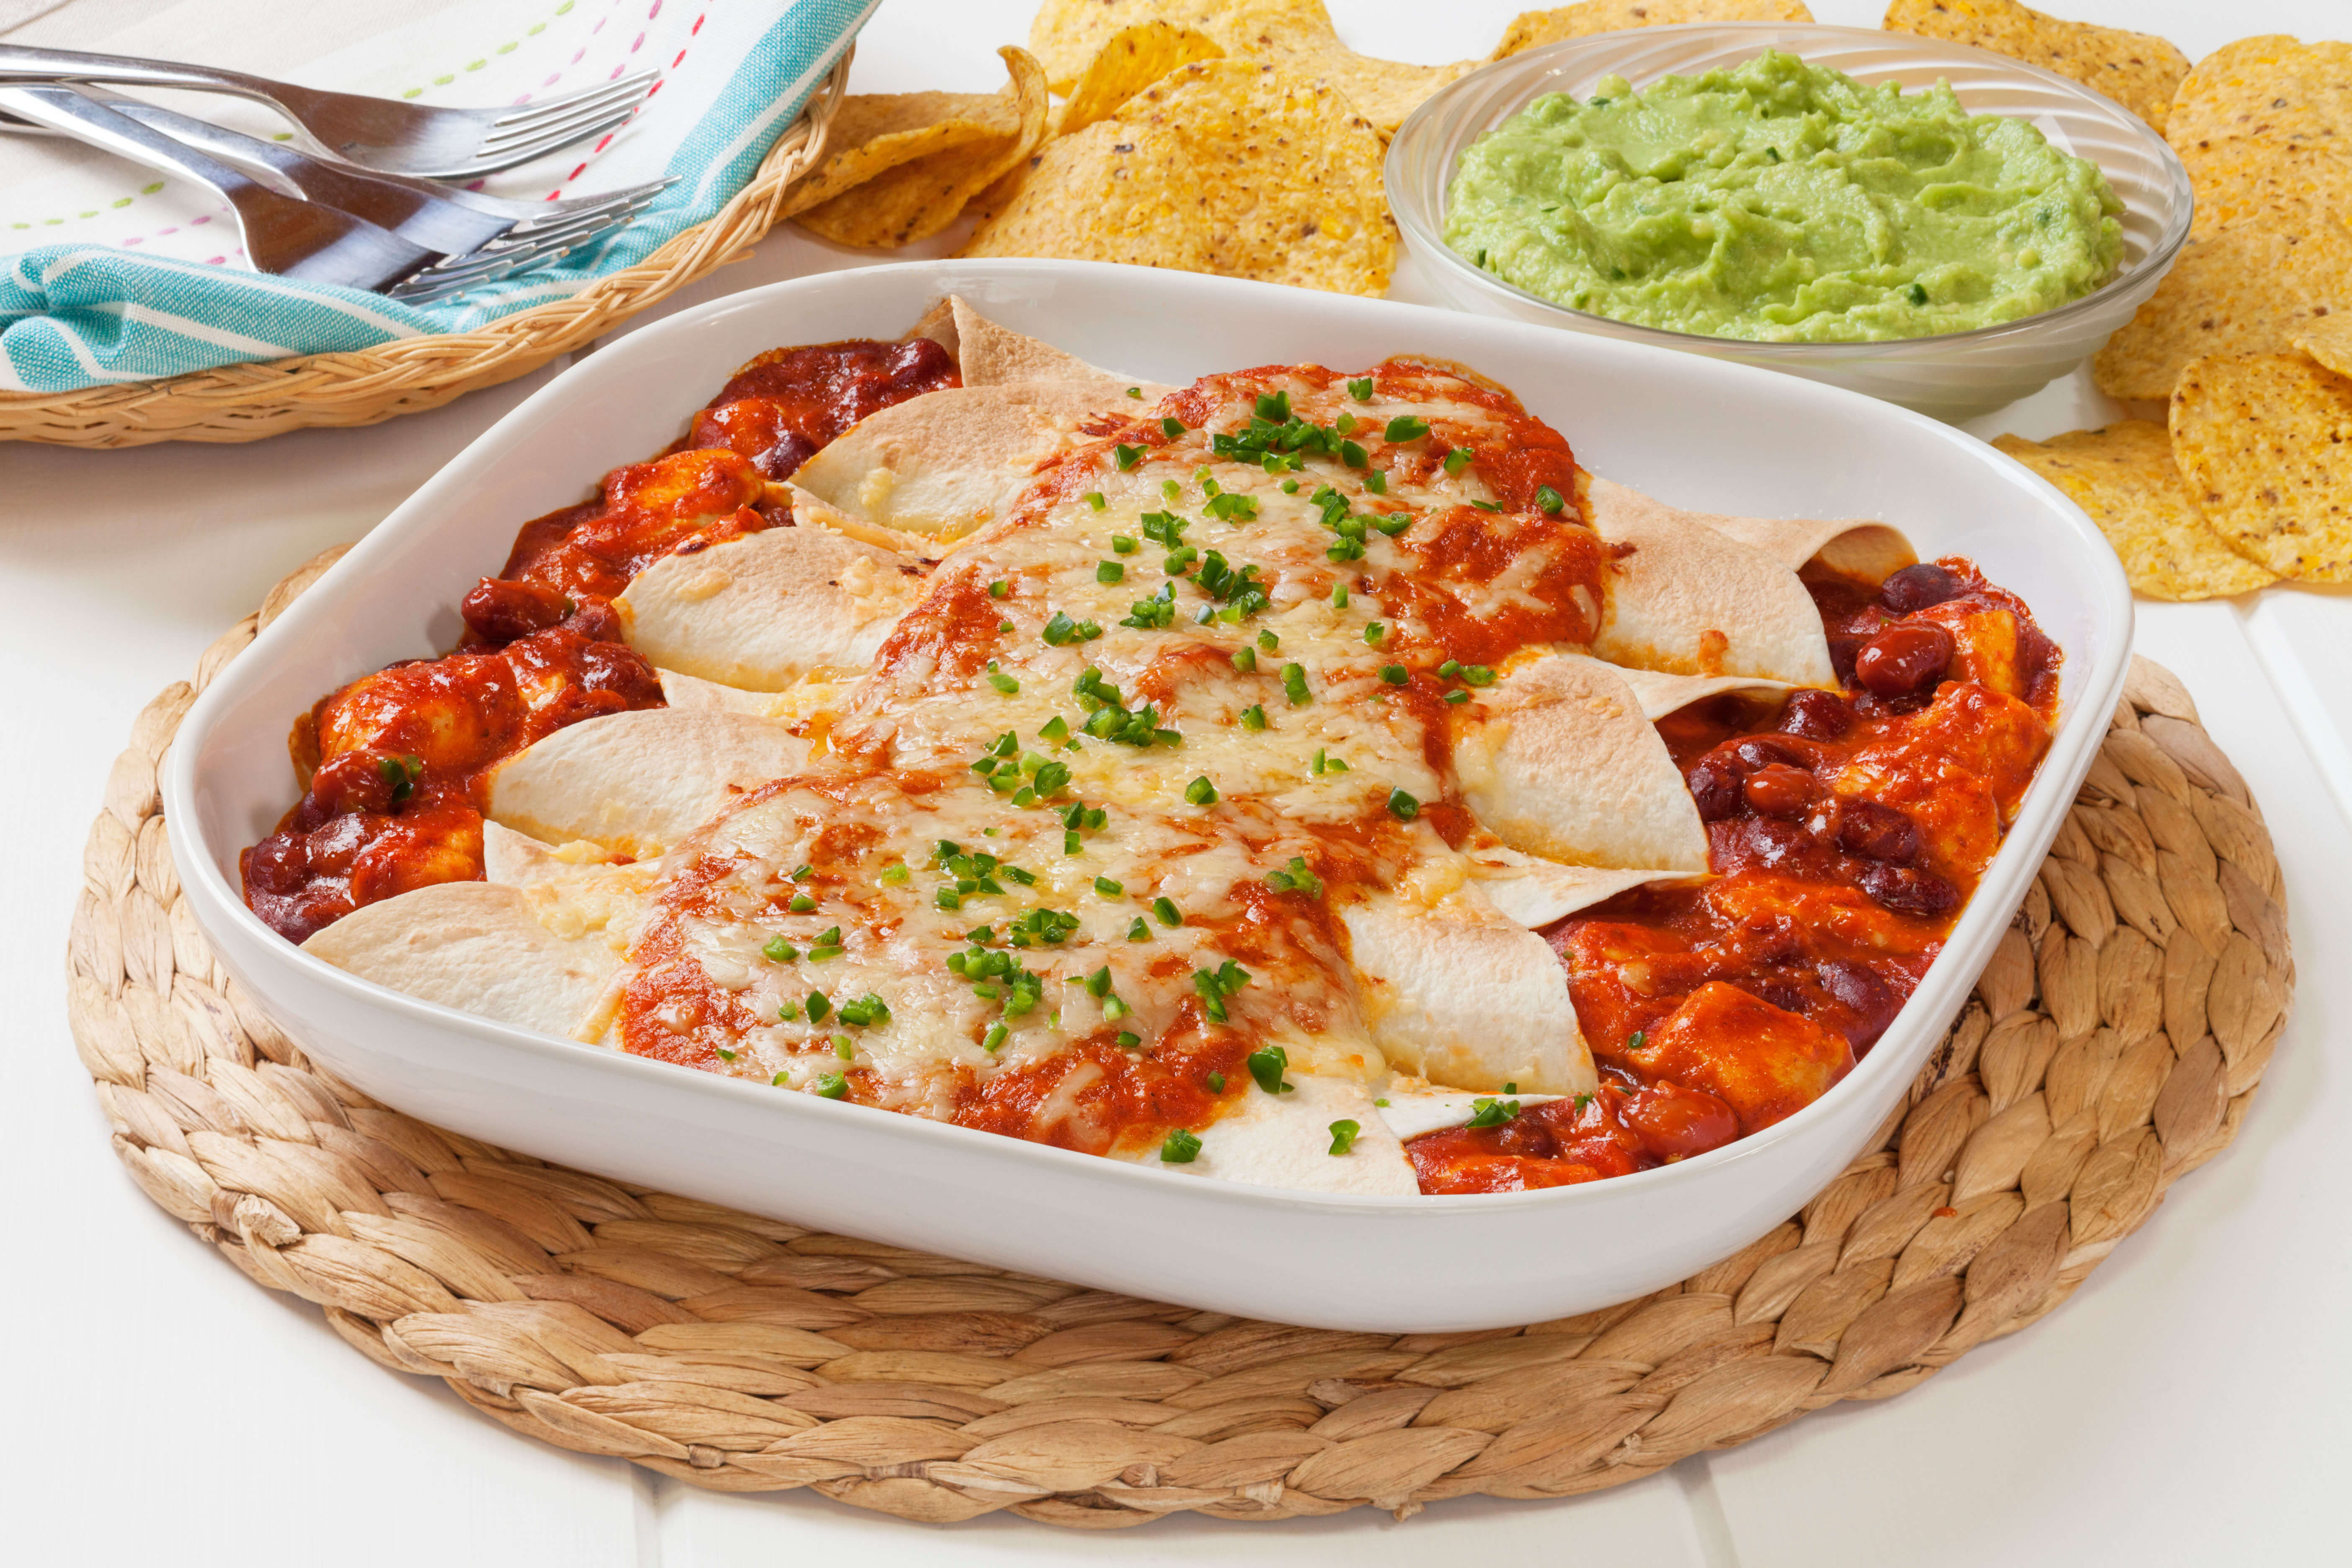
x=1952, y=376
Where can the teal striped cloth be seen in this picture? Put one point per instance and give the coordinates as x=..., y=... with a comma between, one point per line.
x=80, y=316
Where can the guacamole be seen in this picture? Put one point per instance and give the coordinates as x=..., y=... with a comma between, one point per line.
x=1783, y=203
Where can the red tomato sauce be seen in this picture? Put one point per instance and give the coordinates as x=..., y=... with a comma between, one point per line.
x=1846, y=833
x=395, y=766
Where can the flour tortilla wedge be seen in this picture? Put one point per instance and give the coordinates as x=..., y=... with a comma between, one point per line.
x=1690, y=599
x=575, y=890
x=1558, y=760
x=945, y=464
x=1410, y=1113
x=1456, y=993
x=760, y=612
x=1660, y=694
x=639, y=782
x=1284, y=1140
x=1532, y=892
x=474, y=946
x=989, y=354
x=684, y=692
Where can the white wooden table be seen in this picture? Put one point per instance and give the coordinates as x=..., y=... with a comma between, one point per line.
x=2192, y=1403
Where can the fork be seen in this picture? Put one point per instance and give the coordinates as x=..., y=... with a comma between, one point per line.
x=375, y=133
x=452, y=222
x=282, y=235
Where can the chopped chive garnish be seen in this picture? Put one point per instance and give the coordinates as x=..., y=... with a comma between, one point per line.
x=788, y=1011
x=1070, y=845
x=779, y=951
x=1295, y=878
x=1095, y=500
x=1268, y=641
x=1253, y=716
x=1457, y=460
x=1361, y=389
x=995, y=1037
x=1457, y=695
x=1127, y=456
x=841, y=1046
x=1128, y=1039
x=1121, y=544
x=802, y=904
x=947, y=898
x=1637, y=1039
x=1374, y=632
x=1216, y=1082
x=1180, y=1149
x=1490, y=1113
x=1245, y=659
x=895, y=874
x=817, y=1005
x=1343, y=1136
x=824, y=955
x=1403, y=806
x=725, y=1055
x=1406, y=427
x=1201, y=792
x=1293, y=684
x=998, y=589
x=1172, y=426
x=1108, y=889
x=1377, y=483
x=1274, y=408
x=1393, y=674
x=832, y=1085
x=1268, y=1064
x=1487, y=505
x=1547, y=499
x=1339, y=596
x=1290, y=486
x=1167, y=911
x=1353, y=456
x=1477, y=675
x=1004, y=682
x=1136, y=393
x=1345, y=424
x=1109, y=570
x=1139, y=930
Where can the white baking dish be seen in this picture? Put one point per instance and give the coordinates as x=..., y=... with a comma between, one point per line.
x=1694, y=431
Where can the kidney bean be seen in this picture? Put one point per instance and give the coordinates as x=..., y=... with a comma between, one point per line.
x=1907, y=657
x=279, y=864
x=1859, y=989
x=356, y=780
x=1908, y=891
x=1880, y=832
x=1777, y=789
x=784, y=459
x=1916, y=587
x=332, y=849
x=1771, y=842
x=1673, y=1121
x=499, y=611
x=1816, y=715
x=595, y=620
x=1715, y=785
x=1756, y=752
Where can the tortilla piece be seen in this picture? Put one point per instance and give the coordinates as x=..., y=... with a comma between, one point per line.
x=2125, y=478
x=1661, y=694
x=760, y=612
x=683, y=692
x=2250, y=288
x=1130, y=60
x=2138, y=70
x=2269, y=86
x=915, y=198
x=1111, y=193
x=1557, y=760
x=943, y=464
x=473, y=946
x=1284, y=1140
x=1689, y=600
x=1532, y=28
x=873, y=134
x=1456, y=993
x=2329, y=342
x=2264, y=445
x=2254, y=180
x=639, y=782
x=1856, y=546
x=988, y=354
x=1410, y=1115
x=1532, y=892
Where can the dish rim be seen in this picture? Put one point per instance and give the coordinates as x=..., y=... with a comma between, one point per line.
x=2079, y=729
x=1424, y=229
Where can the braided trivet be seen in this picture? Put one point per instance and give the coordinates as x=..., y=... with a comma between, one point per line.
x=2111, y=1047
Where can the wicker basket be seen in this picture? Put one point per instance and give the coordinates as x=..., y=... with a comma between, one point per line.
x=247, y=402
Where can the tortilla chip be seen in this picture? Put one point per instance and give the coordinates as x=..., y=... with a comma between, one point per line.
x=1291, y=178
x=762, y=612
x=1132, y=60
x=946, y=464
x=2124, y=478
x=1295, y=34
x=876, y=132
x=1558, y=760
x=2253, y=288
x=476, y=947
x=639, y=782
x=1456, y=993
x=2250, y=179
x=2329, y=342
x=2271, y=86
x=2265, y=444
x=2138, y=70
x=1531, y=28
x=915, y=198
x=1691, y=600
x=1111, y=193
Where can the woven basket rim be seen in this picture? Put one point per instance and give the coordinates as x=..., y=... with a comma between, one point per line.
x=742, y=1353
x=248, y=401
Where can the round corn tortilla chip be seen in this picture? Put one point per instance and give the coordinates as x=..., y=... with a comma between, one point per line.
x=2253, y=179
x=1458, y=994
x=639, y=782
x=476, y=947
x=2124, y=478
x=1558, y=760
x=2138, y=70
x=915, y=199
x=760, y=612
x=2271, y=86
x=1531, y=28
x=2250, y=288
x=944, y=464
x=1069, y=35
x=1132, y=60
x=1111, y=193
x=2264, y=445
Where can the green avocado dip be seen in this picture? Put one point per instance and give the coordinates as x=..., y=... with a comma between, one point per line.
x=1783, y=203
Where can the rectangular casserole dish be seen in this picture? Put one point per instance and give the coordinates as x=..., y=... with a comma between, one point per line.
x=1693, y=432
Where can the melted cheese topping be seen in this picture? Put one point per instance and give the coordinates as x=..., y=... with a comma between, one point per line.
x=1270, y=739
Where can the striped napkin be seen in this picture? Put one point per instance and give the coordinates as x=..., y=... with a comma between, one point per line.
x=161, y=290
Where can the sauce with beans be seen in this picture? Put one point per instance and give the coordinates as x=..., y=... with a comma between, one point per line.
x=1845, y=832
x=396, y=765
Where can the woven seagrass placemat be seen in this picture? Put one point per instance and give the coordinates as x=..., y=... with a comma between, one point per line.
x=2111, y=1047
